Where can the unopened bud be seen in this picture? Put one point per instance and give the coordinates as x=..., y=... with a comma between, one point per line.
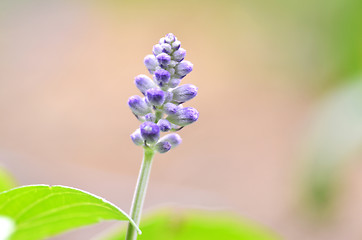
x=179, y=55
x=138, y=106
x=184, y=93
x=164, y=125
x=174, y=82
x=162, y=40
x=170, y=108
x=176, y=45
x=170, y=38
x=143, y=83
x=137, y=138
x=162, y=77
x=184, y=116
x=151, y=63
x=168, y=96
x=172, y=64
x=150, y=132
x=166, y=48
x=155, y=96
x=163, y=147
x=163, y=59
x=150, y=117
x=157, y=49
x=184, y=68
x=173, y=138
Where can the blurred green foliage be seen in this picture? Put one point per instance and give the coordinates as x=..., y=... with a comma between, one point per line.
x=197, y=225
x=334, y=137
x=6, y=180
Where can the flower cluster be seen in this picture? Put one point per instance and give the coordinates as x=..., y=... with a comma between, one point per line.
x=161, y=110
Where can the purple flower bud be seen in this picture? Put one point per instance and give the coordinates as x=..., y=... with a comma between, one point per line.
x=163, y=59
x=137, y=138
x=157, y=49
x=171, y=71
x=162, y=40
x=170, y=108
x=138, y=106
x=174, y=82
x=164, y=125
x=155, y=96
x=184, y=116
x=150, y=132
x=168, y=96
x=172, y=63
x=166, y=48
x=179, y=55
x=147, y=102
x=170, y=38
x=184, y=67
x=150, y=117
x=162, y=76
x=151, y=63
x=176, y=45
x=163, y=147
x=172, y=138
x=184, y=93
x=143, y=83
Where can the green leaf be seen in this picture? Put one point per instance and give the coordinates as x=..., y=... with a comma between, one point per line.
x=333, y=138
x=40, y=211
x=6, y=180
x=196, y=225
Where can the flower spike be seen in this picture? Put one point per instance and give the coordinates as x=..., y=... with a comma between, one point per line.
x=160, y=110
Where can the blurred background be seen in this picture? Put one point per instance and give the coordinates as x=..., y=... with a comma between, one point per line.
x=280, y=99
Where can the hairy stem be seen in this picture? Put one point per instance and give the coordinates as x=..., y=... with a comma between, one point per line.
x=140, y=192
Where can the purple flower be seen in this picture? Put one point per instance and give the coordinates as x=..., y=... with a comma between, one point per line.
x=184, y=93
x=163, y=147
x=170, y=108
x=157, y=49
x=173, y=138
x=176, y=45
x=174, y=82
x=166, y=48
x=184, y=116
x=162, y=77
x=163, y=59
x=169, y=38
x=184, y=68
x=143, y=83
x=171, y=71
x=150, y=132
x=150, y=117
x=155, y=96
x=164, y=125
x=137, y=138
x=163, y=97
x=162, y=40
x=179, y=55
x=138, y=106
x=168, y=97
x=151, y=63
x=172, y=64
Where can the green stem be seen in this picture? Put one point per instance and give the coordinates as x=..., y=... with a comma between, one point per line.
x=140, y=192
